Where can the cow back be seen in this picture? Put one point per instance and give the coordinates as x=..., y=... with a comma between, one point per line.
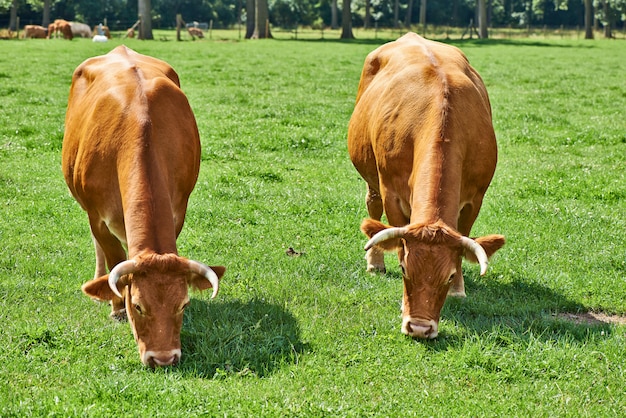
x=130, y=134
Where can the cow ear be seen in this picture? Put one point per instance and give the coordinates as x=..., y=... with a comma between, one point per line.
x=199, y=282
x=490, y=243
x=371, y=227
x=99, y=288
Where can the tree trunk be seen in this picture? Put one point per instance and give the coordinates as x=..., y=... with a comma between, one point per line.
x=423, y=16
x=45, y=21
x=588, y=19
x=261, y=21
x=396, y=13
x=368, y=15
x=482, y=20
x=346, y=21
x=145, y=14
x=333, y=15
x=13, y=19
x=409, y=12
x=250, y=17
x=607, y=21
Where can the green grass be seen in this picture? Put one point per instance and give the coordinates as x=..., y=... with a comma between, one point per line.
x=315, y=335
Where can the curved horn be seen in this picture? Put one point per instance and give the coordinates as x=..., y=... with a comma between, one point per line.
x=478, y=251
x=384, y=235
x=125, y=267
x=206, y=271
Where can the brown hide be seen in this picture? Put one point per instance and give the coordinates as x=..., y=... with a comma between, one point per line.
x=105, y=31
x=131, y=155
x=421, y=136
x=35, y=31
x=60, y=26
x=195, y=32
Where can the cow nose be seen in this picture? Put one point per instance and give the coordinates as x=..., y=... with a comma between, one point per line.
x=161, y=358
x=420, y=328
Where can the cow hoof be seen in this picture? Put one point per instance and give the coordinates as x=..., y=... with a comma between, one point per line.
x=120, y=315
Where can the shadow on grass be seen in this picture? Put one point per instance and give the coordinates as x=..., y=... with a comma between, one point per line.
x=222, y=339
x=511, y=313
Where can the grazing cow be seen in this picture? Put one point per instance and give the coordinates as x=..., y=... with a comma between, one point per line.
x=35, y=31
x=80, y=29
x=102, y=30
x=195, y=32
x=131, y=156
x=422, y=138
x=60, y=26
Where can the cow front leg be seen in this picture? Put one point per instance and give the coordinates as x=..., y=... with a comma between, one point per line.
x=109, y=250
x=375, y=257
x=457, y=287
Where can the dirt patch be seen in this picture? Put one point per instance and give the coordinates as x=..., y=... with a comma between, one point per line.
x=592, y=318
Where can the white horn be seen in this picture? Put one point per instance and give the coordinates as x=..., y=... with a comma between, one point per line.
x=125, y=267
x=206, y=271
x=384, y=235
x=478, y=251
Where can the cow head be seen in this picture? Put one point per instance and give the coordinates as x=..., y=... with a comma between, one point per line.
x=155, y=291
x=430, y=259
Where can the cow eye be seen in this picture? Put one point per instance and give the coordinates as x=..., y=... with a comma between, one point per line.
x=182, y=308
x=403, y=269
x=451, y=277
x=138, y=309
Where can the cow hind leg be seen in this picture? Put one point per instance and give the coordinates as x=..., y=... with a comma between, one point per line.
x=466, y=220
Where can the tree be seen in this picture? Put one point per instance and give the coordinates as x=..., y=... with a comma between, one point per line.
x=333, y=14
x=423, y=16
x=13, y=19
x=409, y=12
x=482, y=20
x=145, y=14
x=261, y=20
x=396, y=13
x=588, y=19
x=346, y=20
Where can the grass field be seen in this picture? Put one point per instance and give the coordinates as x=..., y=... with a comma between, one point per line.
x=542, y=334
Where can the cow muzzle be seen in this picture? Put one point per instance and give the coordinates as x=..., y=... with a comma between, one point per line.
x=160, y=358
x=420, y=328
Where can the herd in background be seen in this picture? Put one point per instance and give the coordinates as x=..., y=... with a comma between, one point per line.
x=61, y=28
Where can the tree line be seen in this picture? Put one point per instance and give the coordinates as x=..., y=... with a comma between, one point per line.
x=289, y=14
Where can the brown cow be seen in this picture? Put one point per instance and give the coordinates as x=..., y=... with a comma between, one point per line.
x=131, y=155
x=421, y=136
x=195, y=32
x=102, y=30
x=60, y=26
x=35, y=31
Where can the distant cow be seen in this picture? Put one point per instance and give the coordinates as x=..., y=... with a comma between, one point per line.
x=195, y=32
x=131, y=155
x=60, y=26
x=102, y=30
x=80, y=29
x=35, y=31
x=422, y=138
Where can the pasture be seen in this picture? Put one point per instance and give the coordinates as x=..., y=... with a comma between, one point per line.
x=307, y=332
